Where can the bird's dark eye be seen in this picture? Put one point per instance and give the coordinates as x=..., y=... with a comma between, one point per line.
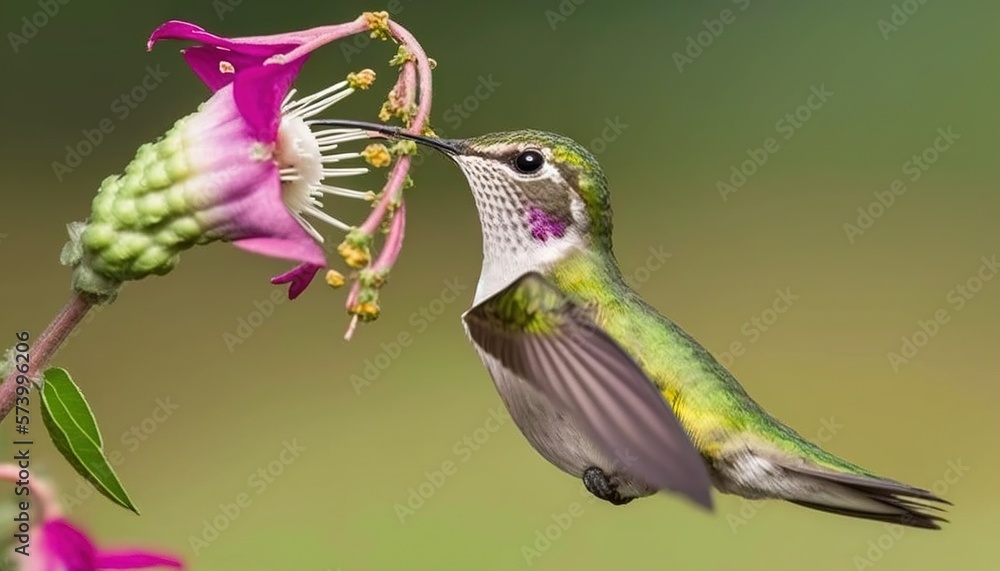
x=529, y=161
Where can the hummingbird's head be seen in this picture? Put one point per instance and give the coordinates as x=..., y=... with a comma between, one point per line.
x=534, y=190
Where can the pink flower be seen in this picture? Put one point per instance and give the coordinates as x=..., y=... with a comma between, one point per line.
x=262, y=168
x=60, y=546
x=55, y=544
x=251, y=165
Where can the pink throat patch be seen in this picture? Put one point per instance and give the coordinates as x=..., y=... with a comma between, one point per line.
x=544, y=225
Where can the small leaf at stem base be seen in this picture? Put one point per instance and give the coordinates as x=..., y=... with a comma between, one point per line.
x=74, y=431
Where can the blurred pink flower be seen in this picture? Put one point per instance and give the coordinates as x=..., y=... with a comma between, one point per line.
x=57, y=545
x=60, y=546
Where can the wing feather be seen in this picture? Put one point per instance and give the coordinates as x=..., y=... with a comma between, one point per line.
x=538, y=333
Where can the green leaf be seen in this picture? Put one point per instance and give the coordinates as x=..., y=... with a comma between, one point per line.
x=74, y=431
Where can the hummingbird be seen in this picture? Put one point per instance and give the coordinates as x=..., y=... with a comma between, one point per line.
x=597, y=380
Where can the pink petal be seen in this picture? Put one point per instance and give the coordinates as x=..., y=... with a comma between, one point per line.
x=298, y=279
x=245, y=203
x=204, y=59
x=63, y=546
x=205, y=62
x=135, y=560
x=240, y=189
x=178, y=30
x=285, y=248
x=267, y=228
x=175, y=30
x=259, y=91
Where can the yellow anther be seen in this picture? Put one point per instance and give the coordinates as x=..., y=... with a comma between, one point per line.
x=377, y=155
x=378, y=23
x=334, y=278
x=362, y=79
x=366, y=311
x=353, y=256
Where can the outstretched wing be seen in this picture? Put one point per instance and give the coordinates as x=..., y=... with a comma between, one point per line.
x=540, y=334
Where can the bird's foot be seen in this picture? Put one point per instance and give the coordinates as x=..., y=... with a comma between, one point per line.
x=598, y=483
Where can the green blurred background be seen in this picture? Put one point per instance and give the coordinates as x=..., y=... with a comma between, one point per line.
x=822, y=364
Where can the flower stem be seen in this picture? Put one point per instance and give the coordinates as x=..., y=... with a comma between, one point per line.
x=393, y=242
x=46, y=346
x=413, y=84
x=422, y=79
x=312, y=39
x=389, y=194
x=423, y=71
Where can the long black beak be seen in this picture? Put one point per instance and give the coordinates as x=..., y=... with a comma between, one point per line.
x=446, y=146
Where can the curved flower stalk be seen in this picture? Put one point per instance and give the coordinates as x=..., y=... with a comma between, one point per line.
x=53, y=543
x=247, y=167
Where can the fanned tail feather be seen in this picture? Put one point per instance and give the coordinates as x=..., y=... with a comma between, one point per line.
x=868, y=497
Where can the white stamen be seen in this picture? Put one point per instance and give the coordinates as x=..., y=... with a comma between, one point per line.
x=321, y=134
x=288, y=97
x=340, y=157
x=320, y=106
x=352, y=135
x=317, y=102
x=308, y=228
x=344, y=172
x=314, y=96
x=337, y=191
x=326, y=218
x=302, y=156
